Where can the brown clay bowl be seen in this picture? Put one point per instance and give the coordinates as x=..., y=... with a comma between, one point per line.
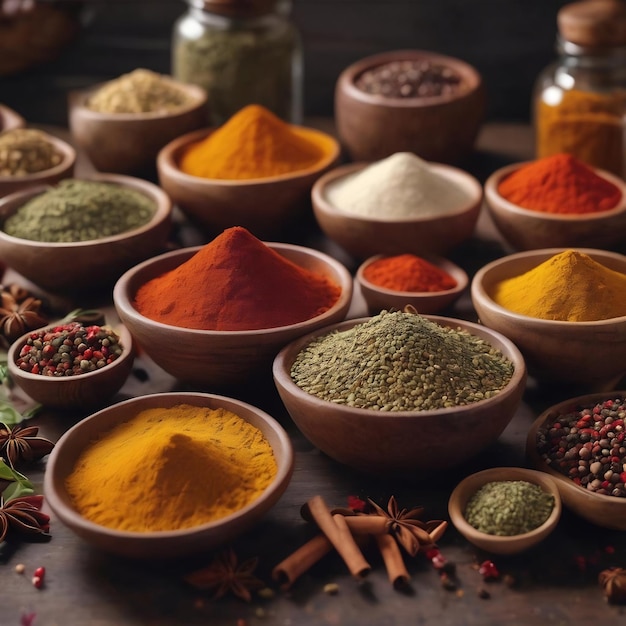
x=440, y=128
x=163, y=544
x=497, y=544
x=10, y=119
x=73, y=392
x=128, y=143
x=591, y=354
x=404, y=441
x=378, y=298
x=264, y=206
x=363, y=237
x=602, y=510
x=526, y=229
x=65, y=169
x=218, y=359
x=76, y=267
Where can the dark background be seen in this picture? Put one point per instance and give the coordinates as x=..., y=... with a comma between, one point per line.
x=508, y=41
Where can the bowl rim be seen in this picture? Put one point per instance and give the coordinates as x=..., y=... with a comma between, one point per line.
x=65, y=512
x=77, y=101
x=68, y=160
x=461, y=494
x=281, y=371
x=167, y=165
x=493, y=196
x=122, y=298
x=460, y=275
x=472, y=78
x=163, y=210
x=478, y=290
x=322, y=204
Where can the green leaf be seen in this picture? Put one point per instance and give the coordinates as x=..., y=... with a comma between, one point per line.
x=17, y=490
x=8, y=414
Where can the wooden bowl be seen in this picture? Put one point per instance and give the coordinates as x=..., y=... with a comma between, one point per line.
x=591, y=354
x=526, y=229
x=51, y=176
x=77, y=267
x=599, y=509
x=378, y=298
x=363, y=237
x=265, y=206
x=211, y=358
x=162, y=544
x=128, y=143
x=91, y=389
x=497, y=544
x=403, y=441
x=441, y=128
x=10, y=119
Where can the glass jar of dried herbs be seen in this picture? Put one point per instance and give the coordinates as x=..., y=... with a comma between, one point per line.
x=241, y=52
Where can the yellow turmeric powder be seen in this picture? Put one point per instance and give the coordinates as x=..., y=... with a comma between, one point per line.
x=254, y=143
x=570, y=286
x=174, y=468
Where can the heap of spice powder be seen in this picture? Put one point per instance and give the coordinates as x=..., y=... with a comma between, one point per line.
x=171, y=468
x=254, y=143
x=236, y=282
x=26, y=151
x=400, y=361
x=140, y=91
x=408, y=272
x=560, y=183
x=570, y=286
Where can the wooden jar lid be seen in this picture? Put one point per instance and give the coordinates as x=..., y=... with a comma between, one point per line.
x=594, y=23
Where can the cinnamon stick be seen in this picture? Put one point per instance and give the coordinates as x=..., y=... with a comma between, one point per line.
x=297, y=563
x=336, y=530
x=396, y=570
x=366, y=524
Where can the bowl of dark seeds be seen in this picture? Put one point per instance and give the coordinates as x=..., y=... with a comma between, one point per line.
x=409, y=101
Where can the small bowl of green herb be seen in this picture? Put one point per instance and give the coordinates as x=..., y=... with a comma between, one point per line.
x=505, y=510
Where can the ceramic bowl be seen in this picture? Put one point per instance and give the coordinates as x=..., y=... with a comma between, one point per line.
x=591, y=354
x=65, y=169
x=265, y=206
x=497, y=544
x=425, y=302
x=601, y=510
x=403, y=441
x=73, y=392
x=162, y=544
x=77, y=267
x=363, y=237
x=211, y=358
x=128, y=143
x=526, y=229
x=440, y=128
x=10, y=119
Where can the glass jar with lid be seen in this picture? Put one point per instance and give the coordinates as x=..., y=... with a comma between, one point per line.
x=242, y=52
x=579, y=103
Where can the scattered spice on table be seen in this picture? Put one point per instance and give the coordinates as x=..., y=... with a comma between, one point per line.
x=69, y=350
x=401, y=361
x=251, y=287
x=25, y=151
x=508, y=507
x=171, y=468
x=254, y=143
x=21, y=443
x=140, y=91
x=560, y=183
x=80, y=210
x=586, y=444
x=401, y=186
x=613, y=582
x=570, y=286
x=408, y=272
x=411, y=78
x=20, y=311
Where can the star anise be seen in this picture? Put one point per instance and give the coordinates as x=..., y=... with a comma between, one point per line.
x=613, y=581
x=23, y=515
x=19, y=312
x=21, y=443
x=410, y=532
x=225, y=575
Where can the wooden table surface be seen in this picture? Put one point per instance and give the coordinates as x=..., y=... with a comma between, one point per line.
x=556, y=583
